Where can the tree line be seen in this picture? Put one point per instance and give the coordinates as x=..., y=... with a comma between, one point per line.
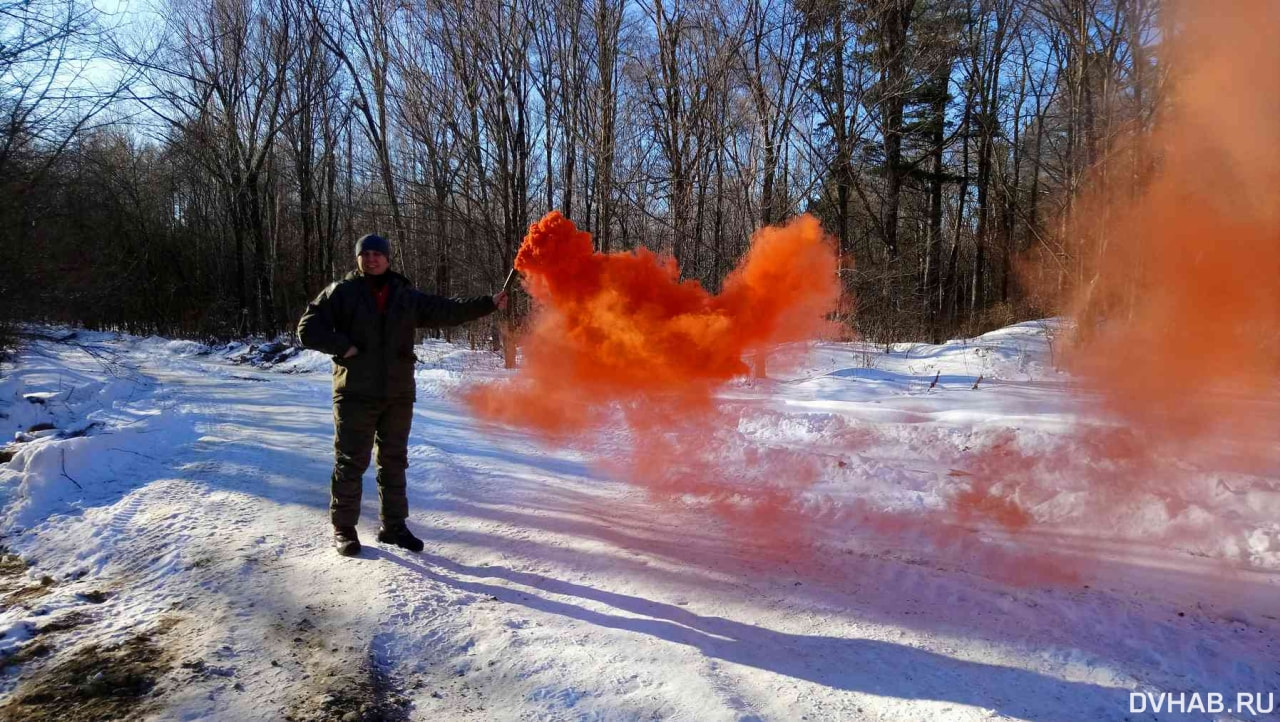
x=203, y=167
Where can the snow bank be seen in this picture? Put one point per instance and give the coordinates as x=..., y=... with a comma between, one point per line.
x=83, y=423
x=103, y=434
x=304, y=362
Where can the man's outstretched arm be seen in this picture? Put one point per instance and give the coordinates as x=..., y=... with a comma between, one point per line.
x=436, y=311
x=315, y=328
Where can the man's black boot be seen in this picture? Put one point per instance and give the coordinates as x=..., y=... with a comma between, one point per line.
x=346, y=540
x=399, y=535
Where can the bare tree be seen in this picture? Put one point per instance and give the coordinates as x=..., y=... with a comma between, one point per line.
x=773, y=56
x=360, y=36
x=48, y=90
x=219, y=78
x=691, y=58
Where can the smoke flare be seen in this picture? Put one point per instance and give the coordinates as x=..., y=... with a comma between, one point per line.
x=623, y=326
x=620, y=333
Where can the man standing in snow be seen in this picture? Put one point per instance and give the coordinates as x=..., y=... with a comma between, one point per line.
x=366, y=322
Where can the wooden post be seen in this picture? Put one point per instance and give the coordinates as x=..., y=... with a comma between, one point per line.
x=761, y=362
x=507, y=332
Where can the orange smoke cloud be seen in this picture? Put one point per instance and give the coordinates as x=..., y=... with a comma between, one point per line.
x=1178, y=300
x=1183, y=312
x=621, y=334
x=609, y=327
x=628, y=322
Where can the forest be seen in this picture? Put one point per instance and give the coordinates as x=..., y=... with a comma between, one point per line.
x=202, y=168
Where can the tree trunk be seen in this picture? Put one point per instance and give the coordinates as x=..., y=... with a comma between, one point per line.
x=893, y=45
x=933, y=252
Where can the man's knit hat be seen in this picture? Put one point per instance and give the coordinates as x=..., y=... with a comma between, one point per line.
x=373, y=242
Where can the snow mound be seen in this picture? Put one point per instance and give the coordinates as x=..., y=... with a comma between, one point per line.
x=79, y=445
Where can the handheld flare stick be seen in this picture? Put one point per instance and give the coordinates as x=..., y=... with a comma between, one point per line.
x=506, y=286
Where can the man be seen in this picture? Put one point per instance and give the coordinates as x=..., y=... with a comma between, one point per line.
x=366, y=323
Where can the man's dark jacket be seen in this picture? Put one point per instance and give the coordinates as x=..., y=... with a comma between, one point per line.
x=345, y=314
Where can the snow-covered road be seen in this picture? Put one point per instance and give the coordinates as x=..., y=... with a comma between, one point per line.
x=184, y=540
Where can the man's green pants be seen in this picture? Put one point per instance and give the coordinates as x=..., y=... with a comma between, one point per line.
x=359, y=425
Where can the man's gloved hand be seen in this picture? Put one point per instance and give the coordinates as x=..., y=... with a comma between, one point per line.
x=500, y=300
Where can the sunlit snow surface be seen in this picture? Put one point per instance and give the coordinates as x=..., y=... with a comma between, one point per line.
x=553, y=588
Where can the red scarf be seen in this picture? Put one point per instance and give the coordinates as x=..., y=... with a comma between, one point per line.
x=381, y=290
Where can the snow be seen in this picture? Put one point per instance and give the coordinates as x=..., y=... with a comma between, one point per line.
x=194, y=504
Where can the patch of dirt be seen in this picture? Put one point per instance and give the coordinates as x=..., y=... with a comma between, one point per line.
x=29, y=592
x=26, y=653
x=41, y=648
x=11, y=565
x=65, y=622
x=94, y=682
x=14, y=587
x=363, y=694
x=95, y=596
x=342, y=685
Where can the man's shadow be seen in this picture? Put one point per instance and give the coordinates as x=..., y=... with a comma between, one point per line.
x=862, y=665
